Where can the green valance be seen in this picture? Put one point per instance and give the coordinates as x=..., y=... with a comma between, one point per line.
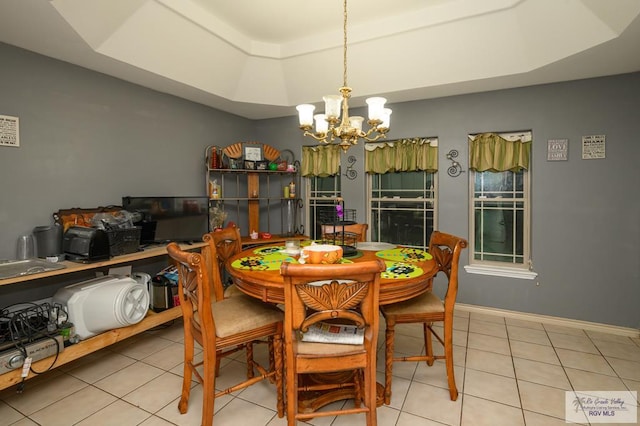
x=492, y=152
x=320, y=160
x=402, y=155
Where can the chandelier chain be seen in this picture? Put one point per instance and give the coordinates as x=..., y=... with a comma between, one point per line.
x=344, y=51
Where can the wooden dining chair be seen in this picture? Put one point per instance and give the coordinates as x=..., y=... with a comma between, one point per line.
x=220, y=327
x=427, y=309
x=224, y=243
x=336, y=294
x=345, y=234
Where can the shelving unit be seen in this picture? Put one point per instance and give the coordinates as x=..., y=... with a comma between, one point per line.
x=105, y=339
x=248, y=193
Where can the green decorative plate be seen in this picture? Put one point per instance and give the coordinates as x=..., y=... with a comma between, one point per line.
x=401, y=270
x=268, y=250
x=404, y=255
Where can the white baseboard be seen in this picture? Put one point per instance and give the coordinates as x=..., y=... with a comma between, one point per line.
x=565, y=322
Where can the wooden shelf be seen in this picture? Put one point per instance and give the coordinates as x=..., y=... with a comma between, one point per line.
x=93, y=344
x=71, y=267
x=245, y=171
x=107, y=338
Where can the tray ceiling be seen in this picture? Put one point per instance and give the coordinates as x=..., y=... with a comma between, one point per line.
x=260, y=59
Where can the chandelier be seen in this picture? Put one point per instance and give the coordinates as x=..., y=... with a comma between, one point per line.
x=330, y=128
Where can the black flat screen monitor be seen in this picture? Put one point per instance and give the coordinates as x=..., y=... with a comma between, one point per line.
x=166, y=219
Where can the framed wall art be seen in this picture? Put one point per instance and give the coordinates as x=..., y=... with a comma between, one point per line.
x=557, y=149
x=252, y=152
x=593, y=147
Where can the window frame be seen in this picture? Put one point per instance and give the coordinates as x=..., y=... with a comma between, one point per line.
x=313, y=199
x=430, y=204
x=493, y=267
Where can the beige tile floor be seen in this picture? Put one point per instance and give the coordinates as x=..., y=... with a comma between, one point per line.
x=509, y=372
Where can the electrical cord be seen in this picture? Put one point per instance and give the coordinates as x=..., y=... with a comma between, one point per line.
x=30, y=323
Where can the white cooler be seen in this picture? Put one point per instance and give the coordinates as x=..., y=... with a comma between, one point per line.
x=104, y=303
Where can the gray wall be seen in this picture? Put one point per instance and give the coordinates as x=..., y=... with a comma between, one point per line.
x=585, y=214
x=88, y=139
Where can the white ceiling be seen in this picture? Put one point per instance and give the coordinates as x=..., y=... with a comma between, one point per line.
x=258, y=59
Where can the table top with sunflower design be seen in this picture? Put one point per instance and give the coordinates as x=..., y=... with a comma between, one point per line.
x=409, y=272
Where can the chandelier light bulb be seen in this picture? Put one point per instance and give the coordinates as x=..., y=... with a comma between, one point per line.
x=386, y=118
x=332, y=105
x=376, y=107
x=322, y=125
x=305, y=114
x=356, y=122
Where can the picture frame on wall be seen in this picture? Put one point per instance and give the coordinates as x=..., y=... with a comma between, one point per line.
x=253, y=152
x=557, y=149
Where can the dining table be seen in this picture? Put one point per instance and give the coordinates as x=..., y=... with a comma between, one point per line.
x=409, y=272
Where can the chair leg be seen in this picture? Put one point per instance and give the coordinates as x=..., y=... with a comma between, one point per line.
x=249, y=349
x=209, y=388
x=388, y=360
x=278, y=366
x=292, y=396
x=370, y=394
x=428, y=343
x=272, y=359
x=218, y=358
x=359, y=394
x=448, y=352
x=183, y=405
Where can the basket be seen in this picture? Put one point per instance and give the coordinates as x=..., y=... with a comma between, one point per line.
x=124, y=241
x=340, y=238
x=81, y=217
x=330, y=217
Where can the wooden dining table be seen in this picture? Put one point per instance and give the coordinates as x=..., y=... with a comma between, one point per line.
x=409, y=273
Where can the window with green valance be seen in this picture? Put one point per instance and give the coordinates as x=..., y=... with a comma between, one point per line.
x=320, y=160
x=495, y=153
x=402, y=155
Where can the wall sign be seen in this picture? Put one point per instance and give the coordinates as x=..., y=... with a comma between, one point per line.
x=557, y=149
x=9, y=131
x=593, y=147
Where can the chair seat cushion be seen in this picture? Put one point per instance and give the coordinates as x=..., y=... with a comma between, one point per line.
x=426, y=303
x=243, y=313
x=232, y=291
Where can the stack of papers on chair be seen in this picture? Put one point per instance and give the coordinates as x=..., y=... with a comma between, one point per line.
x=323, y=332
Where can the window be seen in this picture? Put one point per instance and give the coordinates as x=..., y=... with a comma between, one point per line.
x=322, y=194
x=402, y=207
x=500, y=201
x=320, y=167
x=402, y=191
